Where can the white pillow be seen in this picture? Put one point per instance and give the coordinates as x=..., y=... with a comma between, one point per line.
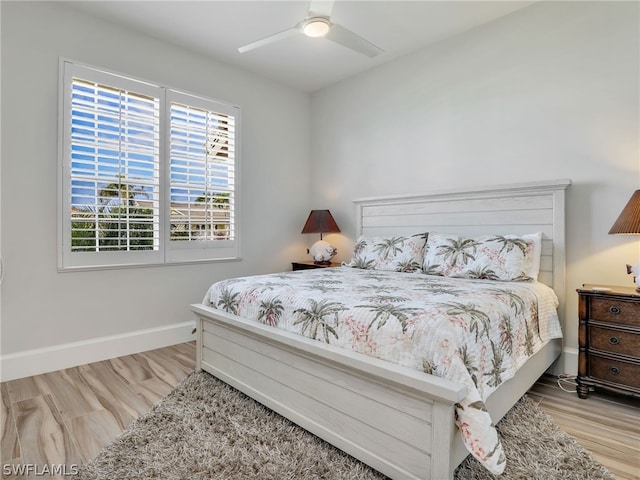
x=394, y=253
x=508, y=258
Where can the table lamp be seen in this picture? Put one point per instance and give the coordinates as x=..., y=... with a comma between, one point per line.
x=628, y=223
x=321, y=221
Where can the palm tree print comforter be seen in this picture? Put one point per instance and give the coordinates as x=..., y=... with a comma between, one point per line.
x=475, y=332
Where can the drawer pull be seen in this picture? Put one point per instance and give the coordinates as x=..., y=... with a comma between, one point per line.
x=614, y=340
x=614, y=310
x=614, y=370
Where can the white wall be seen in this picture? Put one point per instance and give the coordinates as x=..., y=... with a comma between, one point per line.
x=51, y=320
x=548, y=92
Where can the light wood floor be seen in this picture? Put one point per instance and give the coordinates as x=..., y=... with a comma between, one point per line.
x=66, y=417
x=606, y=424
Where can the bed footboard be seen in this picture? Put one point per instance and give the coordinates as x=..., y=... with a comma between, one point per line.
x=397, y=420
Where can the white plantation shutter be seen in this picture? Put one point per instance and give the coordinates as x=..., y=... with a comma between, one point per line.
x=114, y=167
x=137, y=188
x=202, y=179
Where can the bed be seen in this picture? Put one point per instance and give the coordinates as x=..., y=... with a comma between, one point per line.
x=396, y=419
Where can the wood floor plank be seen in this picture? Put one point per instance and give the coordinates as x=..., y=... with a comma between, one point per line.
x=188, y=349
x=9, y=445
x=23, y=388
x=595, y=408
x=130, y=368
x=94, y=431
x=113, y=392
x=153, y=390
x=160, y=362
x=163, y=367
x=44, y=437
x=71, y=393
x=175, y=361
x=598, y=427
x=183, y=362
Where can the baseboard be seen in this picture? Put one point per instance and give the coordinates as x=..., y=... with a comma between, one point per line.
x=567, y=364
x=57, y=357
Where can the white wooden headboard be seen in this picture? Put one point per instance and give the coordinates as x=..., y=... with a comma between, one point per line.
x=503, y=209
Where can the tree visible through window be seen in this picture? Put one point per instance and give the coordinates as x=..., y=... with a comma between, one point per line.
x=139, y=187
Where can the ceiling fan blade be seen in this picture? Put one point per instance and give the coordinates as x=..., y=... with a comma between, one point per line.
x=347, y=38
x=270, y=39
x=320, y=8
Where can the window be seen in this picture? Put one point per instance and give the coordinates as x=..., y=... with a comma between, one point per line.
x=148, y=174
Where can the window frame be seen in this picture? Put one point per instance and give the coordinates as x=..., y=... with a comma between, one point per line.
x=168, y=252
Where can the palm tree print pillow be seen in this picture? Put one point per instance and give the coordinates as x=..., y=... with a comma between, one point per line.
x=507, y=258
x=397, y=253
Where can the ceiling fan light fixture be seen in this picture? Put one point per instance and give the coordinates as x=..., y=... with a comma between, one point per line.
x=318, y=23
x=316, y=27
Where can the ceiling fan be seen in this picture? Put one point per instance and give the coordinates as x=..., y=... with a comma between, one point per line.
x=318, y=24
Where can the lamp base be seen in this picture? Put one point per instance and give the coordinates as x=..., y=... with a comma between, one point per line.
x=635, y=269
x=322, y=252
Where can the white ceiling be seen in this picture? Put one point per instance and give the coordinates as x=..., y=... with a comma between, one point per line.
x=218, y=28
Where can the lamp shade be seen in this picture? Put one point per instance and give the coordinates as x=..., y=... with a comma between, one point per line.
x=320, y=221
x=628, y=222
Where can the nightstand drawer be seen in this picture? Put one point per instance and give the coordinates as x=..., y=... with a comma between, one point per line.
x=615, y=311
x=615, y=371
x=614, y=341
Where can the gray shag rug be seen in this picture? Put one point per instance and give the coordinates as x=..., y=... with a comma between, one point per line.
x=205, y=429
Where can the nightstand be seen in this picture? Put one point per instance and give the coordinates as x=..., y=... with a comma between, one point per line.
x=309, y=265
x=608, y=339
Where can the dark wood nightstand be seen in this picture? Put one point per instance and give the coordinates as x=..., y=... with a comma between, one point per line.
x=309, y=265
x=608, y=339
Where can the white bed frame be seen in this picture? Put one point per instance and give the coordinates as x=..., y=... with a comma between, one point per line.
x=397, y=420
